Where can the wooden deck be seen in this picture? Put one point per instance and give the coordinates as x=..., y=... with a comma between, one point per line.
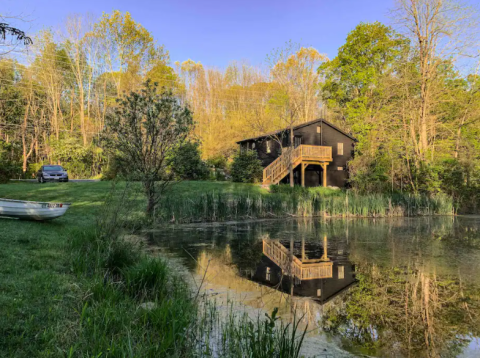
x=303, y=270
x=304, y=155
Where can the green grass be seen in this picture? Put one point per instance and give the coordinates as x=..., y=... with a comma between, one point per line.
x=73, y=288
x=282, y=201
x=225, y=187
x=35, y=283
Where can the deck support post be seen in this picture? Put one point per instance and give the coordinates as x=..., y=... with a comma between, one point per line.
x=325, y=248
x=304, y=165
x=324, y=167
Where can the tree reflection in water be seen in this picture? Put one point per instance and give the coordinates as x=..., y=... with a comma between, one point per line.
x=399, y=287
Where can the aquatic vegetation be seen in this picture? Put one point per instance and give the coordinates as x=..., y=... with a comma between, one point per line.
x=215, y=206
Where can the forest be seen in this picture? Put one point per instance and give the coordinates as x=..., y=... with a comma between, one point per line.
x=409, y=92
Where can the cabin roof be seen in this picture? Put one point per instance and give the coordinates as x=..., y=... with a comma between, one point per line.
x=301, y=125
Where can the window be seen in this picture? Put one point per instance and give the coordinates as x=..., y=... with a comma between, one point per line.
x=319, y=292
x=298, y=141
x=269, y=147
x=268, y=274
x=253, y=145
x=339, y=168
x=340, y=148
x=319, y=129
x=341, y=272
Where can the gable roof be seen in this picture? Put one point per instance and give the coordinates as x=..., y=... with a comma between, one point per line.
x=301, y=125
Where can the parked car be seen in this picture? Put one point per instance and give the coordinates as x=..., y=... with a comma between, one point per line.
x=52, y=173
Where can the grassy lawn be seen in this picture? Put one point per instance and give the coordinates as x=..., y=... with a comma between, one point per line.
x=37, y=288
x=195, y=187
x=35, y=283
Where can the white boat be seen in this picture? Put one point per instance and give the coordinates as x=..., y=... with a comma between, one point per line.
x=31, y=210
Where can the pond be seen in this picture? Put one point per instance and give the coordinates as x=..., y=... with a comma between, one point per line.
x=398, y=287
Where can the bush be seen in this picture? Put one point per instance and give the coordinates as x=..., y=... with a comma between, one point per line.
x=8, y=168
x=80, y=161
x=246, y=167
x=187, y=164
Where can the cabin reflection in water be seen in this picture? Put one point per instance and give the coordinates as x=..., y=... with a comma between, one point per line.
x=318, y=273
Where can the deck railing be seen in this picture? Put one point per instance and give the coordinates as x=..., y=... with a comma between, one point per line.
x=309, y=270
x=280, y=166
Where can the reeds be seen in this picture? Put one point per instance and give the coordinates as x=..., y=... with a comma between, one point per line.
x=207, y=207
x=133, y=304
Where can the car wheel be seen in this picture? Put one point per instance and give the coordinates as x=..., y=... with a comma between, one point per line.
x=42, y=180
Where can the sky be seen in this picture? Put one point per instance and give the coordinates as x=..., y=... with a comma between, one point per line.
x=217, y=32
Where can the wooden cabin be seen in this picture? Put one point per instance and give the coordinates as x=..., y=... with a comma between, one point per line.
x=319, y=154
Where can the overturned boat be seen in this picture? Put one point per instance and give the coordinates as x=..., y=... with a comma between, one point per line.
x=31, y=210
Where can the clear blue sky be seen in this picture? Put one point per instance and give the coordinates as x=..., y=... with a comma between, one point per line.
x=216, y=32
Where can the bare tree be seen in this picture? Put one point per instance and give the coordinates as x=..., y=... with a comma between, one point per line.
x=440, y=30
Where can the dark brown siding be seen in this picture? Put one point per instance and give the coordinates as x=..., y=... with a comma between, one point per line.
x=328, y=136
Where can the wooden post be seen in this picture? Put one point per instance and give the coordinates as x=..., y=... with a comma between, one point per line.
x=324, y=167
x=303, y=175
x=303, y=249
x=325, y=249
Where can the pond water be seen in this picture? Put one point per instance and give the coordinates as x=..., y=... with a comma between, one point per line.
x=400, y=287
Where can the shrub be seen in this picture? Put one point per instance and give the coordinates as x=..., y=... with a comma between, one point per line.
x=246, y=167
x=80, y=161
x=8, y=168
x=187, y=164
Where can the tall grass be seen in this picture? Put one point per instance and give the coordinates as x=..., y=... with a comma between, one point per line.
x=302, y=202
x=237, y=335
x=133, y=304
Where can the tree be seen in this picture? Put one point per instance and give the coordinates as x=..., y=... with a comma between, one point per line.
x=354, y=80
x=439, y=30
x=128, y=50
x=142, y=131
x=246, y=167
x=187, y=164
x=17, y=34
x=296, y=100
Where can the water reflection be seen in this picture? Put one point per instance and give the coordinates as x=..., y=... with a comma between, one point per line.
x=389, y=288
x=308, y=271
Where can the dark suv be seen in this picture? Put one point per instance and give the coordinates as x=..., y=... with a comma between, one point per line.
x=52, y=173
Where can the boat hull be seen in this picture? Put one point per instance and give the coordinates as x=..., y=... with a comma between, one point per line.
x=31, y=210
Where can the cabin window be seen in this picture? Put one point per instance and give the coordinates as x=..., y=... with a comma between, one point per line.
x=268, y=274
x=341, y=272
x=297, y=141
x=340, y=148
x=339, y=168
x=253, y=145
x=319, y=292
x=319, y=129
x=269, y=146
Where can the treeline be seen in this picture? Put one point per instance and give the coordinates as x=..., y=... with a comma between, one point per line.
x=409, y=93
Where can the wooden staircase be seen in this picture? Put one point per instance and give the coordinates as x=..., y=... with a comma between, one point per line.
x=303, y=154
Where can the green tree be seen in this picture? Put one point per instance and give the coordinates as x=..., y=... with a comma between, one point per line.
x=187, y=164
x=141, y=132
x=354, y=79
x=246, y=167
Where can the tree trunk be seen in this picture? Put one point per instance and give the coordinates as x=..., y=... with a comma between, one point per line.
x=149, y=187
x=292, y=184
